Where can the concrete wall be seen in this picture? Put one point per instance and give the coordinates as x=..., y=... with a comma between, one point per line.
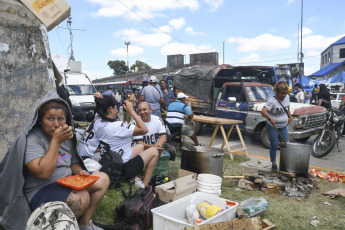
x=26, y=72
x=336, y=52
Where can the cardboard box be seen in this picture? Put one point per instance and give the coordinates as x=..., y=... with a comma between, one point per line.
x=177, y=189
x=49, y=12
x=182, y=173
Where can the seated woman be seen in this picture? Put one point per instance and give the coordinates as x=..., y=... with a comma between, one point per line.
x=117, y=136
x=50, y=155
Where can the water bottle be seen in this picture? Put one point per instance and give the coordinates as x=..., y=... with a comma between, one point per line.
x=190, y=106
x=162, y=166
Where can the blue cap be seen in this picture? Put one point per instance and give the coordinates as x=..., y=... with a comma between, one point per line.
x=111, y=87
x=126, y=91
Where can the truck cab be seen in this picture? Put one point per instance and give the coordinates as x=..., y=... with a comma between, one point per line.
x=80, y=90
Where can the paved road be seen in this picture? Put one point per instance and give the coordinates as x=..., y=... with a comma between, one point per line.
x=334, y=161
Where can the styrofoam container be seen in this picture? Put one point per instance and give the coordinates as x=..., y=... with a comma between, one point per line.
x=172, y=216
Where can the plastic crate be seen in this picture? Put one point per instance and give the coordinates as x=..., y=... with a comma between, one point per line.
x=173, y=215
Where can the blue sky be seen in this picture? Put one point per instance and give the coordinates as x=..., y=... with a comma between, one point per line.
x=254, y=32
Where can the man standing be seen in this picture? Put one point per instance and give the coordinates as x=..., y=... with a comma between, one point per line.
x=110, y=91
x=314, y=94
x=168, y=95
x=156, y=135
x=118, y=99
x=153, y=96
x=175, y=117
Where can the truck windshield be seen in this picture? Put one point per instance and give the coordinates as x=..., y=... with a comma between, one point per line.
x=259, y=93
x=81, y=90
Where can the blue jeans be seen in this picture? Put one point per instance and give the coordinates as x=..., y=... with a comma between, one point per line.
x=273, y=136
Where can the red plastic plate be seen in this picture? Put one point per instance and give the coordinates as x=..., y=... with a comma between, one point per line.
x=77, y=182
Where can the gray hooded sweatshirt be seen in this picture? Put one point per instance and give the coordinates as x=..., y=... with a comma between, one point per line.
x=14, y=207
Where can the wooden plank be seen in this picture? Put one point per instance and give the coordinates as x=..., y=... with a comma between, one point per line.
x=267, y=225
x=233, y=177
x=226, y=142
x=238, y=224
x=215, y=120
x=273, y=186
x=272, y=191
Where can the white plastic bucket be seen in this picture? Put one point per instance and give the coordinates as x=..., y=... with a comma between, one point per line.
x=210, y=184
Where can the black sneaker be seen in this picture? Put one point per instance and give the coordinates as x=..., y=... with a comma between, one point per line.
x=274, y=168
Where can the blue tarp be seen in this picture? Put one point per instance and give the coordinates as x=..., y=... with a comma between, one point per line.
x=308, y=84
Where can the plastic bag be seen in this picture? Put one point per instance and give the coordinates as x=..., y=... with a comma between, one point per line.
x=253, y=205
x=208, y=210
x=192, y=212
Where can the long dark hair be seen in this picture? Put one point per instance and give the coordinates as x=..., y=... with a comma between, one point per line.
x=102, y=106
x=323, y=88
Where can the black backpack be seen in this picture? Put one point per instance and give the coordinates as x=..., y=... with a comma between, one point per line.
x=135, y=211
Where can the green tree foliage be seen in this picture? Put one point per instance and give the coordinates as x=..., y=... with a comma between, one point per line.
x=119, y=67
x=141, y=66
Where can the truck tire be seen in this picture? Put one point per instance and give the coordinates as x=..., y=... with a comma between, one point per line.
x=264, y=137
x=196, y=126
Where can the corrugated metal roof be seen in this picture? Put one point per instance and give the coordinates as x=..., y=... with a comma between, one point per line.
x=327, y=69
x=340, y=41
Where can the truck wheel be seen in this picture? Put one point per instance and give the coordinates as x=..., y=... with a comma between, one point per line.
x=196, y=126
x=264, y=137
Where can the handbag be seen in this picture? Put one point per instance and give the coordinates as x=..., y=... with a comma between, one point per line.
x=112, y=165
x=135, y=211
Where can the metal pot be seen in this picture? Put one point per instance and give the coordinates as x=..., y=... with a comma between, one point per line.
x=203, y=160
x=294, y=157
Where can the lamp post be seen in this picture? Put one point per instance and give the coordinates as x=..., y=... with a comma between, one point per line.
x=127, y=43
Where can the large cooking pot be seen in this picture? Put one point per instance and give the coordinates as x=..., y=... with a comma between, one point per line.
x=294, y=157
x=203, y=160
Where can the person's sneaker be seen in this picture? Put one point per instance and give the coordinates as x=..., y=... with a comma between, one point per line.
x=171, y=150
x=138, y=182
x=90, y=226
x=274, y=168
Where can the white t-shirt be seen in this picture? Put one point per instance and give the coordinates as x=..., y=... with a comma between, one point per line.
x=117, y=136
x=300, y=96
x=277, y=112
x=156, y=129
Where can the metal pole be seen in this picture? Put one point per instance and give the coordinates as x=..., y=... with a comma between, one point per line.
x=301, y=71
x=127, y=43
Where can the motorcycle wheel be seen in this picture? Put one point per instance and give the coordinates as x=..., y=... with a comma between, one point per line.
x=323, y=147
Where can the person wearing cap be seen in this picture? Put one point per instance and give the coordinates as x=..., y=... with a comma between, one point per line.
x=175, y=116
x=153, y=96
x=110, y=91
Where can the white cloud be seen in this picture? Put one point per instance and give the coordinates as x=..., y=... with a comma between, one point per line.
x=312, y=53
x=319, y=41
x=305, y=31
x=180, y=48
x=177, y=23
x=190, y=30
x=214, y=4
x=166, y=29
x=254, y=57
x=143, y=59
x=308, y=70
x=154, y=39
x=290, y=2
x=266, y=42
x=146, y=9
x=132, y=51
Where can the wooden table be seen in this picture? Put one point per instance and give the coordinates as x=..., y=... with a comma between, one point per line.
x=219, y=122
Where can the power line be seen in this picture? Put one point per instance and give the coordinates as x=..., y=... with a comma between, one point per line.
x=160, y=29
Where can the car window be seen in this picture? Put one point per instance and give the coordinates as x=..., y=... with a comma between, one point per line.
x=333, y=96
x=341, y=96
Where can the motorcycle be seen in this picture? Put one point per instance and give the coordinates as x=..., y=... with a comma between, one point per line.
x=326, y=140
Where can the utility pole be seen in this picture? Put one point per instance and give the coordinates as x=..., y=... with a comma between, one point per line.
x=223, y=53
x=301, y=53
x=127, y=43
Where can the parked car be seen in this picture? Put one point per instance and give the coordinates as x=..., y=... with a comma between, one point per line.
x=336, y=99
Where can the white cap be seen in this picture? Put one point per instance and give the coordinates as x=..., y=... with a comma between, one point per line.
x=153, y=79
x=181, y=95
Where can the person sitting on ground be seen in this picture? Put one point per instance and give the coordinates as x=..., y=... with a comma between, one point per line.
x=117, y=136
x=156, y=135
x=300, y=93
x=47, y=154
x=175, y=117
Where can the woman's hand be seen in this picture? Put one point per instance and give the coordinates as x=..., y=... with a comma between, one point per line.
x=98, y=95
x=159, y=148
x=63, y=133
x=128, y=105
x=290, y=119
x=83, y=173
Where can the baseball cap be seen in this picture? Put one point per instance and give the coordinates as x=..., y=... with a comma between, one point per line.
x=153, y=79
x=181, y=95
x=111, y=87
x=126, y=91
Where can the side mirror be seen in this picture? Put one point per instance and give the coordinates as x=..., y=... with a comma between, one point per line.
x=231, y=99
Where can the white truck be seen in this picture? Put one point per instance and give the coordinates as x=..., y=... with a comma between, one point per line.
x=80, y=89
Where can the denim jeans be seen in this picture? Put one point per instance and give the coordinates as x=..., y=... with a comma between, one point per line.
x=273, y=136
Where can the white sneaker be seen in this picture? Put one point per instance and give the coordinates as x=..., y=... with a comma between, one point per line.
x=90, y=226
x=138, y=182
